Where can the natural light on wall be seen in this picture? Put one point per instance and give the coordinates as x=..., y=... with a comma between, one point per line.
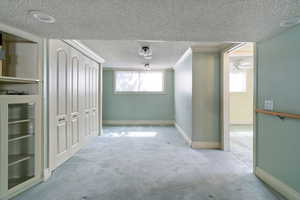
x=139, y=81
x=238, y=81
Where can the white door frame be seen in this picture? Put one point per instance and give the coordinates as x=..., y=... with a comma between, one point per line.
x=225, y=106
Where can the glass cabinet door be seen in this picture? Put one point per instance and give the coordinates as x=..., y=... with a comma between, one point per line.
x=21, y=143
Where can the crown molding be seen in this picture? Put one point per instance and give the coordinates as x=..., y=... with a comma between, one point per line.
x=15, y=31
x=85, y=50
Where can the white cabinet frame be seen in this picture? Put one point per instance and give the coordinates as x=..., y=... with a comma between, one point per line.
x=4, y=102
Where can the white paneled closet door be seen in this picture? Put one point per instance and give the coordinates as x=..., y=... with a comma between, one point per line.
x=59, y=126
x=94, y=97
x=87, y=68
x=74, y=100
x=91, y=97
x=91, y=103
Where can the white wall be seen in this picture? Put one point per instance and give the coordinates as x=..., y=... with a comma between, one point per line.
x=183, y=93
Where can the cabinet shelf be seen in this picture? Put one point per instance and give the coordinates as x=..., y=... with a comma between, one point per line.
x=15, y=159
x=12, y=182
x=18, y=121
x=17, y=137
x=16, y=80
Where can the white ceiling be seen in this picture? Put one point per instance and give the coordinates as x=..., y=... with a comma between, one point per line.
x=124, y=54
x=169, y=20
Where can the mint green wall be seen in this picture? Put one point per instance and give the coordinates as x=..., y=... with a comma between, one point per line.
x=206, y=97
x=137, y=106
x=278, y=76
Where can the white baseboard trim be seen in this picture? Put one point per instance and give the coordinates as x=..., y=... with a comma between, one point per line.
x=277, y=185
x=206, y=145
x=46, y=175
x=183, y=134
x=138, y=122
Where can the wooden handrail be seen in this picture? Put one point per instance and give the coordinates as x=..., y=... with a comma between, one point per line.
x=281, y=115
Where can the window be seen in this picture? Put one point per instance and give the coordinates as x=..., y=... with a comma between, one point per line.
x=139, y=81
x=238, y=82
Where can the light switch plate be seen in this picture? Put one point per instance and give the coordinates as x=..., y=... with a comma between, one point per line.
x=269, y=104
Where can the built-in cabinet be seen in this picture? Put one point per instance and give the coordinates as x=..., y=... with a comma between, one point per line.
x=20, y=114
x=20, y=136
x=46, y=113
x=73, y=100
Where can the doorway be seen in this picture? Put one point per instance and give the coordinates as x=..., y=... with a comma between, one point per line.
x=238, y=102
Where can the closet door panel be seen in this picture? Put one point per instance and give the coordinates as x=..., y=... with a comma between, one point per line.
x=59, y=130
x=96, y=96
x=74, y=100
x=75, y=132
x=87, y=125
x=62, y=79
x=81, y=99
x=62, y=138
x=62, y=98
x=74, y=83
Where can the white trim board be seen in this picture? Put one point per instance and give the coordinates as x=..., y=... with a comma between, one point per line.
x=20, y=33
x=138, y=122
x=46, y=174
x=183, y=134
x=206, y=145
x=85, y=50
x=276, y=184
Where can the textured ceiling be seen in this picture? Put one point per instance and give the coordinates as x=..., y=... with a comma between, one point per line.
x=125, y=53
x=169, y=20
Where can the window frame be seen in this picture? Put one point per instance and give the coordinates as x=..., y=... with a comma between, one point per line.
x=139, y=92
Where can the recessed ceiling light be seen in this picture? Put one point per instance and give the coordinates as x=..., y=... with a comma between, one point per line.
x=290, y=22
x=42, y=17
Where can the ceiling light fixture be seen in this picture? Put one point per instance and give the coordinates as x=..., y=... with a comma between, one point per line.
x=290, y=22
x=147, y=67
x=42, y=17
x=146, y=52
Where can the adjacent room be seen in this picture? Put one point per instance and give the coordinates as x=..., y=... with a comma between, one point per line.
x=241, y=84
x=165, y=100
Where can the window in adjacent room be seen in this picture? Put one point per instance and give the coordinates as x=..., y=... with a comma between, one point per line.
x=139, y=81
x=238, y=81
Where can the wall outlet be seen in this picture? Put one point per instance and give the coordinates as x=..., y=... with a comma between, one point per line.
x=269, y=104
